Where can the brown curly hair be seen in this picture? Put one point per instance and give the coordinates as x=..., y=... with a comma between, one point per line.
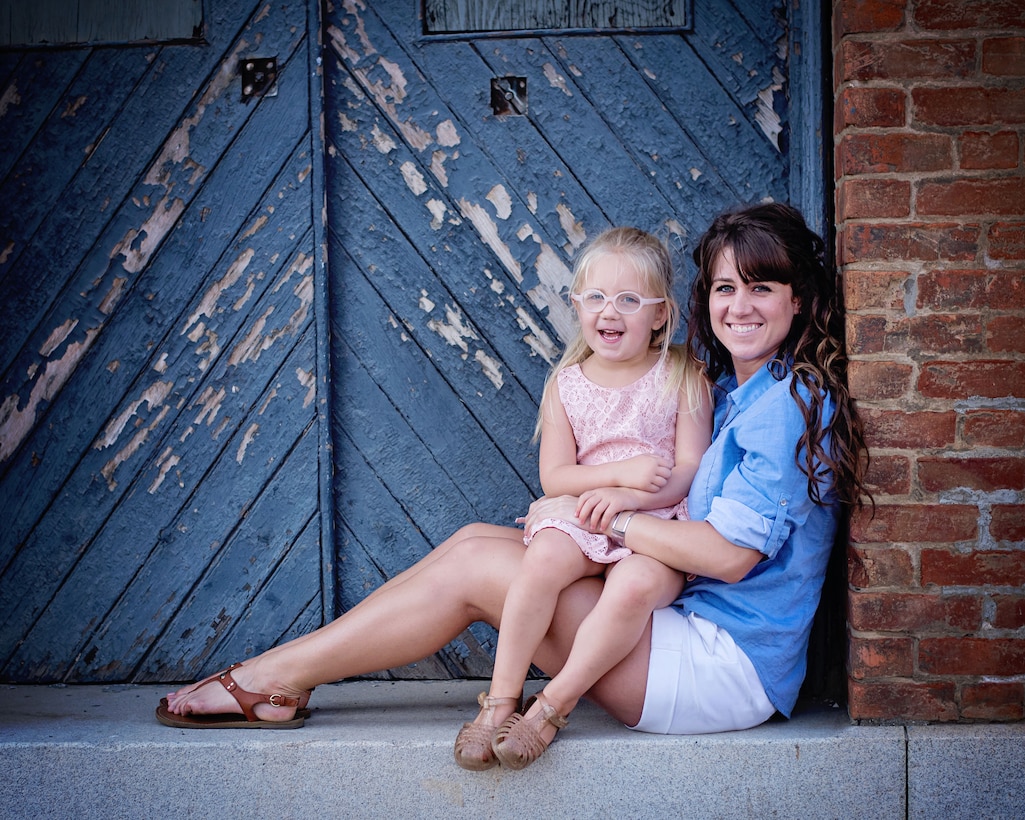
x=772, y=243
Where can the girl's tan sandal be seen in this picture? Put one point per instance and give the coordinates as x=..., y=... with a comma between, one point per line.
x=473, y=744
x=518, y=742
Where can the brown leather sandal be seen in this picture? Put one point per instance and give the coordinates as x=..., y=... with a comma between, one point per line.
x=473, y=743
x=518, y=741
x=246, y=700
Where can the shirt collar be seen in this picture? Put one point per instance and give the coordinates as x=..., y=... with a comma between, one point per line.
x=739, y=398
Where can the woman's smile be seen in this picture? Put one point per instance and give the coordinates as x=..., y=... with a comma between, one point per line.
x=751, y=319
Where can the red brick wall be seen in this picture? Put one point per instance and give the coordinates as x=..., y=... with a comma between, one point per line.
x=930, y=211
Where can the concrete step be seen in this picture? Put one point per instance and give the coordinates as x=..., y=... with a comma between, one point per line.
x=381, y=749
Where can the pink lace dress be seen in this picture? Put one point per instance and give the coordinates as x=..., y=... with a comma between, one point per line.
x=613, y=424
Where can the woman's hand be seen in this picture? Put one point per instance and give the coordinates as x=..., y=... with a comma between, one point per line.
x=563, y=507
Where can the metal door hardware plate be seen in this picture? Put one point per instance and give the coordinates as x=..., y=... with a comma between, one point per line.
x=509, y=96
x=259, y=77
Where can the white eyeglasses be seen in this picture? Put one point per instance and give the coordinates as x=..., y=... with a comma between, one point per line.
x=594, y=301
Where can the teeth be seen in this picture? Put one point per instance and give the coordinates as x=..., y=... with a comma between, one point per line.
x=743, y=328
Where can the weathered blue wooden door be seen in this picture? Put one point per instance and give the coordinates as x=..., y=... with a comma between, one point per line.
x=451, y=231
x=160, y=374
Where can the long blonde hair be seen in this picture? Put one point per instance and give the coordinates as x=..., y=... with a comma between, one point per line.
x=650, y=257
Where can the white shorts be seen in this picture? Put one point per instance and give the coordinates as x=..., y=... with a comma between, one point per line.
x=699, y=680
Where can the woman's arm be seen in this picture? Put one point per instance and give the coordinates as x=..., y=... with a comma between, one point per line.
x=689, y=546
x=561, y=475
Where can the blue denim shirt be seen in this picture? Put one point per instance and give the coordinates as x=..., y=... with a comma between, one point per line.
x=750, y=489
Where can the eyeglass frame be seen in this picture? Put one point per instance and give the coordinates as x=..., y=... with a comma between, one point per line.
x=641, y=300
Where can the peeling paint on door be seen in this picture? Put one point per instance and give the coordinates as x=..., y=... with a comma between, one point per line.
x=16, y=423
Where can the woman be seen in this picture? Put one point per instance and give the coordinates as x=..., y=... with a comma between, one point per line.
x=784, y=459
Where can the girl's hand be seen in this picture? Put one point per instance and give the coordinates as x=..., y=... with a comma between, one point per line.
x=596, y=508
x=646, y=472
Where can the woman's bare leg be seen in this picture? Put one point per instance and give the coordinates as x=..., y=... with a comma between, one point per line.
x=469, y=532
x=464, y=580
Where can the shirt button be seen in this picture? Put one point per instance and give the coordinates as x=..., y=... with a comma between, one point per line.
x=783, y=502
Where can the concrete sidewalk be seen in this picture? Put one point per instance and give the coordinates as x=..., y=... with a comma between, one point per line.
x=375, y=749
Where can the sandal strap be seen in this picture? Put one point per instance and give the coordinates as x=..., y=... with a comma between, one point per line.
x=248, y=700
x=487, y=702
x=548, y=713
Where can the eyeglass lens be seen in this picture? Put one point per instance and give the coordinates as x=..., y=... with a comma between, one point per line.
x=626, y=301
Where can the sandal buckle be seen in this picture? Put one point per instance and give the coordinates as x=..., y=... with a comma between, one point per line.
x=277, y=700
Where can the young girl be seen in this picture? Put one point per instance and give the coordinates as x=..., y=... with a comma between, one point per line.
x=624, y=420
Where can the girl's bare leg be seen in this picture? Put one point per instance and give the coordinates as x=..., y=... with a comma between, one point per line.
x=635, y=587
x=463, y=580
x=551, y=563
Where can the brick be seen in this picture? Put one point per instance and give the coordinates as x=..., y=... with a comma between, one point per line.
x=973, y=107
x=889, y=475
x=986, y=474
x=901, y=243
x=899, y=60
x=1006, y=290
x=864, y=16
x=994, y=428
x=909, y=430
x=901, y=699
x=879, y=567
x=881, y=657
x=962, y=380
x=993, y=701
x=1007, y=240
x=969, y=197
x=879, y=380
x=860, y=153
x=916, y=523
x=1009, y=611
x=865, y=198
x=972, y=569
x=971, y=656
x=965, y=289
x=870, y=108
x=948, y=333
x=947, y=15
x=1007, y=522
x=1004, y=56
x=877, y=334
x=914, y=612
x=874, y=289
x=1004, y=334
x=982, y=151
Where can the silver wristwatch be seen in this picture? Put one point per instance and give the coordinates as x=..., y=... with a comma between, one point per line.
x=619, y=530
